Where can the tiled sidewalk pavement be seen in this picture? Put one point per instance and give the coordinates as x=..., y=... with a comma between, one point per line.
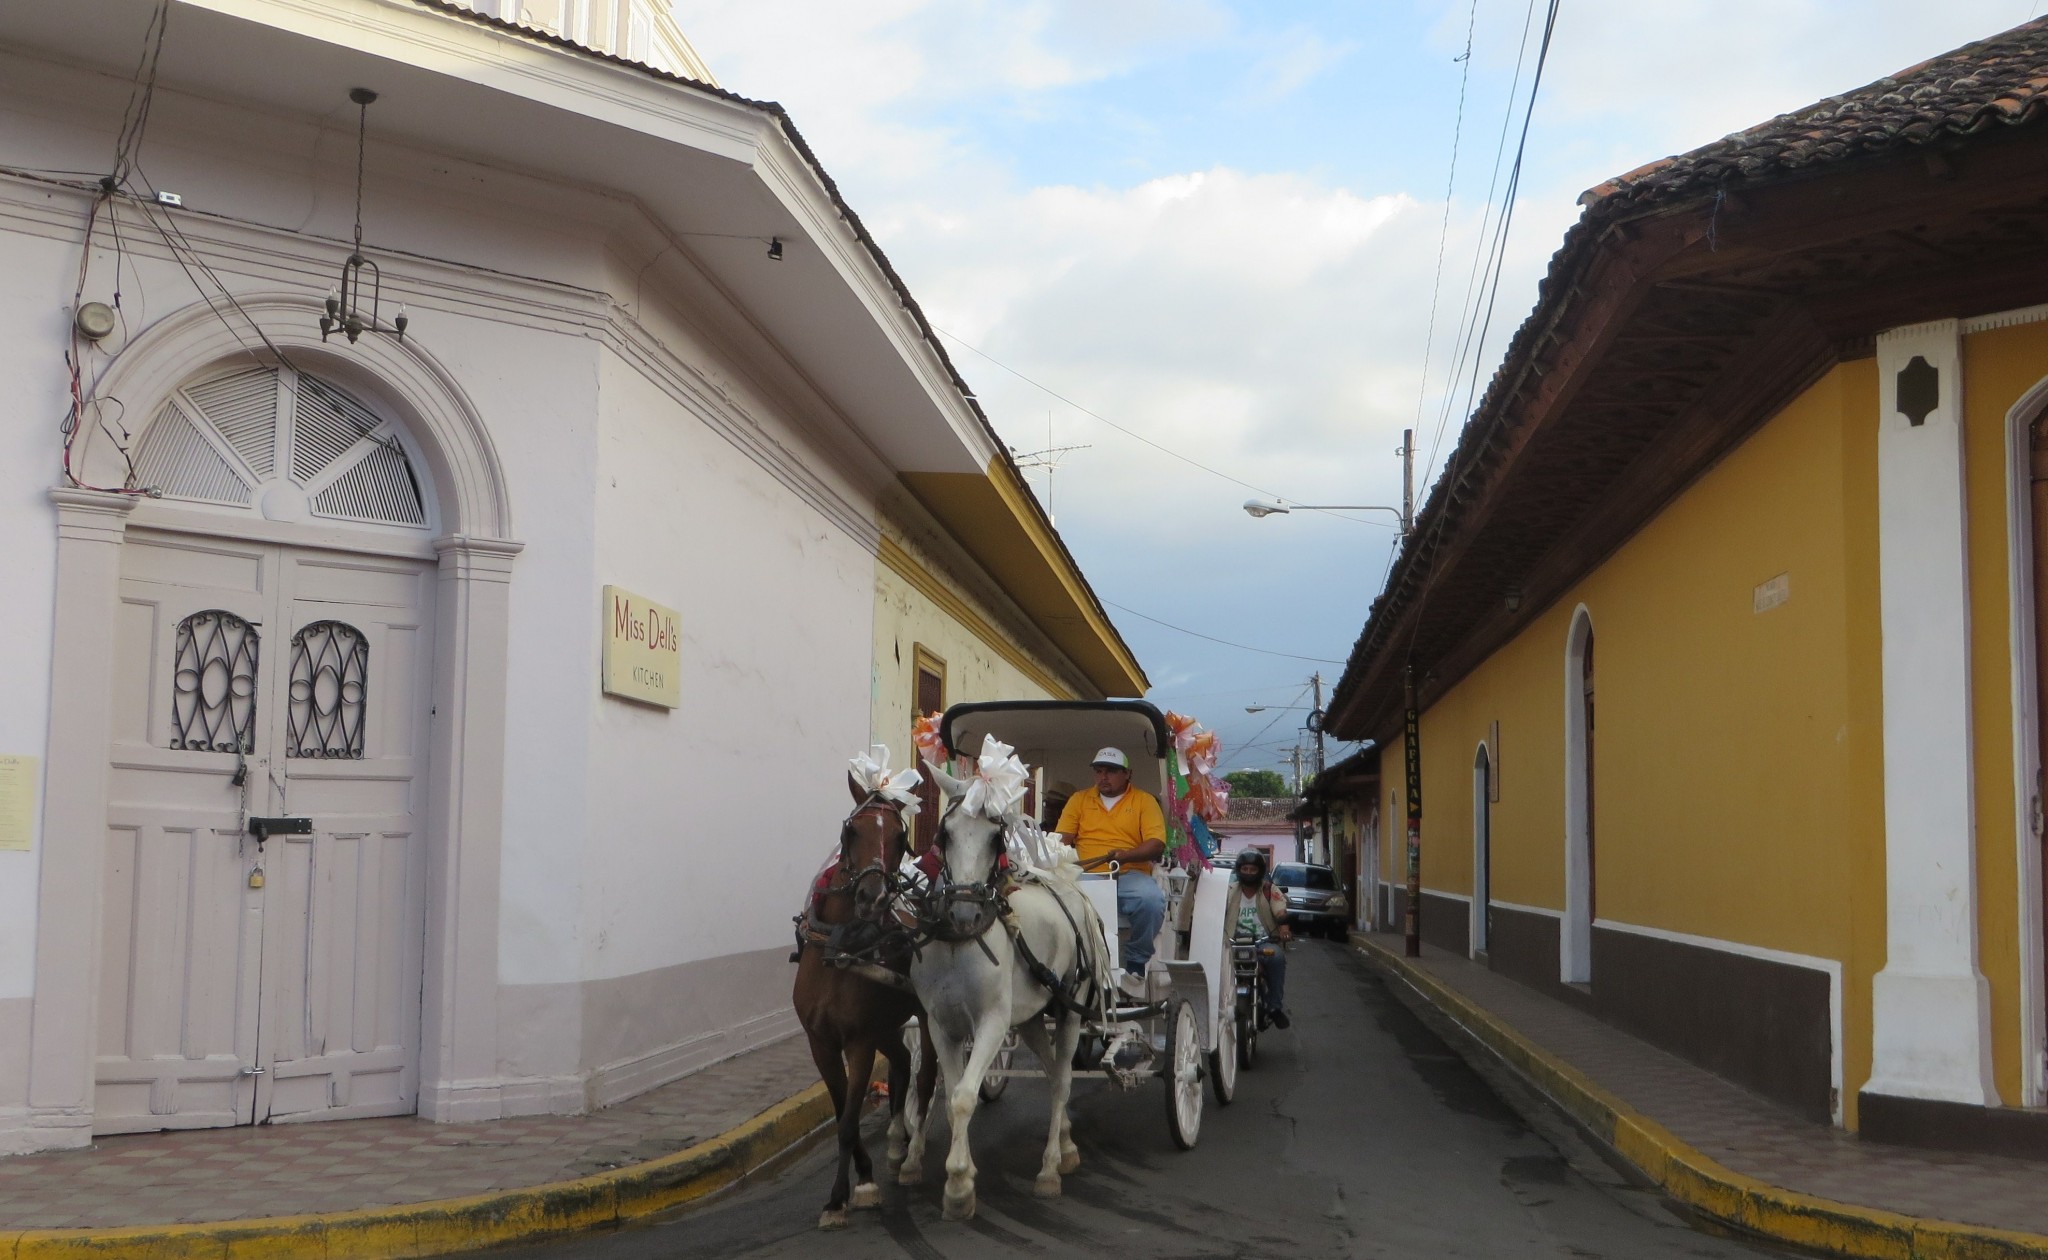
x=1747, y=1133
x=285, y=1169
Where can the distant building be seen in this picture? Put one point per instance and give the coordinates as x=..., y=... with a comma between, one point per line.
x=533, y=642
x=1727, y=621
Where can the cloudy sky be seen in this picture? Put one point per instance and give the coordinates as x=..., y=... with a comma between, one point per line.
x=1215, y=225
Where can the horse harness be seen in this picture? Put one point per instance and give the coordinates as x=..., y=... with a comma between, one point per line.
x=990, y=899
x=859, y=945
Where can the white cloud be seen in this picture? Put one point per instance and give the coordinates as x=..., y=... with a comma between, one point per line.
x=1269, y=324
x=1297, y=58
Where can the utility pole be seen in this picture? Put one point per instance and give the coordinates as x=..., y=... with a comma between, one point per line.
x=1315, y=723
x=1411, y=745
x=1407, y=483
x=1294, y=759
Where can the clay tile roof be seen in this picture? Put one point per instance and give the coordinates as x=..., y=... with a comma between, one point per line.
x=2003, y=79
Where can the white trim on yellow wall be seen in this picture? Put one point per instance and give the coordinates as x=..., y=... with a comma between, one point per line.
x=1832, y=967
x=1930, y=1005
x=2026, y=750
x=1575, y=938
x=1545, y=911
x=1482, y=844
x=2004, y=319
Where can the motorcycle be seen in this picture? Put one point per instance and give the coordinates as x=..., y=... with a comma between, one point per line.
x=1249, y=979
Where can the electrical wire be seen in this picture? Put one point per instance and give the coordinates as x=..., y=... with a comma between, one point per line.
x=1242, y=647
x=1443, y=234
x=1167, y=450
x=1452, y=467
x=1482, y=255
x=141, y=95
x=167, y=227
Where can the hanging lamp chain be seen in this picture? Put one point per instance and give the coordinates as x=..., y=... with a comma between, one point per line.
x=362, y=138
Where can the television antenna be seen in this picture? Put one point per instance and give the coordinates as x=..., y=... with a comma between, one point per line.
x=1047, y=459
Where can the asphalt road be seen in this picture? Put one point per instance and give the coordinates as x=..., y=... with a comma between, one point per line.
x=1359, y=1134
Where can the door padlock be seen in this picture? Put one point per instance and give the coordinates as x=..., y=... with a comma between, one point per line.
x=256, y=877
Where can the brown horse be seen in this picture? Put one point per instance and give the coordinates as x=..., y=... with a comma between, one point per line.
x=852, y=1008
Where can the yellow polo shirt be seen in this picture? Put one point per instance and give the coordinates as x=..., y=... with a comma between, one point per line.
x=1094, y=831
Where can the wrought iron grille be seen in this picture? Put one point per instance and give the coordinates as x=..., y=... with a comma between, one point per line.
x=213, y=684
x=330, y=670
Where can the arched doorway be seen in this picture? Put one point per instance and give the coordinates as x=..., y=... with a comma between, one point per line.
x=265, y=869
x=1575, y=946
x=1482, y=847
x=465, y=544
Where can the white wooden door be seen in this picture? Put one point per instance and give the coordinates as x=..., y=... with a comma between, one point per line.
x=257, y=680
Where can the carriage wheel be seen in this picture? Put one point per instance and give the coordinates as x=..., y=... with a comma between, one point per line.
x=992, y=1086
x=1182, y=1076
x=1223, y=1060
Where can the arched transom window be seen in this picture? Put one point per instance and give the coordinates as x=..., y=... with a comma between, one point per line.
x=284, y=444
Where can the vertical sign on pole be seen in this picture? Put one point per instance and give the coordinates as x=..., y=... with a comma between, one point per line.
x=1411, y=741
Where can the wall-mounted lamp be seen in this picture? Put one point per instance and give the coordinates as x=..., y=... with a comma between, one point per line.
x=1513, y=599
x=775, y=249
x=344, y=311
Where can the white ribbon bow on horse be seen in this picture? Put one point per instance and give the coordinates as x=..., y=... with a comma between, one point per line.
x=899, y=787
x=996, y=789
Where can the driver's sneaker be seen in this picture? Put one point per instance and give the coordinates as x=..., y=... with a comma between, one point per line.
x=1279, y=1017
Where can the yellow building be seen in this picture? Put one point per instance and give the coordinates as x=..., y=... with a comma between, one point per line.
x=976, y=598
x=1723, y=620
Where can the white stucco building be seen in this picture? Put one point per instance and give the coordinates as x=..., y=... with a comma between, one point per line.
x=360, y=583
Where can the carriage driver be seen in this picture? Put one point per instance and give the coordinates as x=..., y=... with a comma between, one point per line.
x=1114, y=821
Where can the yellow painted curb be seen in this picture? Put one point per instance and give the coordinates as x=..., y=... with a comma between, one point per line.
x=445, y=1225
x=1695, y=1179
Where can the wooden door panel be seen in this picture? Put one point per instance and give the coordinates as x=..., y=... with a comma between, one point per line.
x=342, y=1002
x=181, y=932
x=176, y=1025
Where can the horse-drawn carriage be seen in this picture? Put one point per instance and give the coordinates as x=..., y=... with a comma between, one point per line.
x=1000, y=936
x=1183, y=1032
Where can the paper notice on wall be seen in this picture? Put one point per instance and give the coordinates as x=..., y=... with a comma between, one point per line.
x=19, y=777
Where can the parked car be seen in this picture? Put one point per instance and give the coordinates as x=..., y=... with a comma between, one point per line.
x=1314, y=901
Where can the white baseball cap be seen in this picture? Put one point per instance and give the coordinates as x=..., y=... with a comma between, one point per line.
x=1112, y=757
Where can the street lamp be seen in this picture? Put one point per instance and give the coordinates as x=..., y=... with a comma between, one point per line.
x=1257, y=508
x=1261, y=708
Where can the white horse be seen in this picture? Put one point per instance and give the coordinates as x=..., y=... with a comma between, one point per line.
x=976, y=985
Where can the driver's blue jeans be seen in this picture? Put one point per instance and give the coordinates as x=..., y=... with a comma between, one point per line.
x=1274, y=967
x=1141, y=905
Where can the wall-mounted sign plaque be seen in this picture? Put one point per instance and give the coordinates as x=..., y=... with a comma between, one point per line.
x=18, y=779
x=643, y=653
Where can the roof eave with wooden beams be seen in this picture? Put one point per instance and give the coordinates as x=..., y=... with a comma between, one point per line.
x=1664, y=335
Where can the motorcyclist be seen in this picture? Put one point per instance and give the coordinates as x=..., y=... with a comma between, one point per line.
x=1254, y=908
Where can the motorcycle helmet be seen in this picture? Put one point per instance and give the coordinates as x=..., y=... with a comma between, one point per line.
x=1254, y=859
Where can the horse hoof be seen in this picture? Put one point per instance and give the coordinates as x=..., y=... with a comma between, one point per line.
x=1047, y=1186
x=910, y=1175
x=829, y=1219
x=897, y=1153
x=1069, y=1161
x=865, y=1195
x=960, y=1209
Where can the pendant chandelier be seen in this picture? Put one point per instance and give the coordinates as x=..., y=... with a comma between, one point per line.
x=361, y=279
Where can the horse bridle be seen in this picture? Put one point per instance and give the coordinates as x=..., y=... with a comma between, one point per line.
x=934, y=907
x=879, y=869
x=831, y=938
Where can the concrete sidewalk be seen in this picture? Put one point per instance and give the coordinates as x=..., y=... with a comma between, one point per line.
x=305, y=1171
x=1725, y=1151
